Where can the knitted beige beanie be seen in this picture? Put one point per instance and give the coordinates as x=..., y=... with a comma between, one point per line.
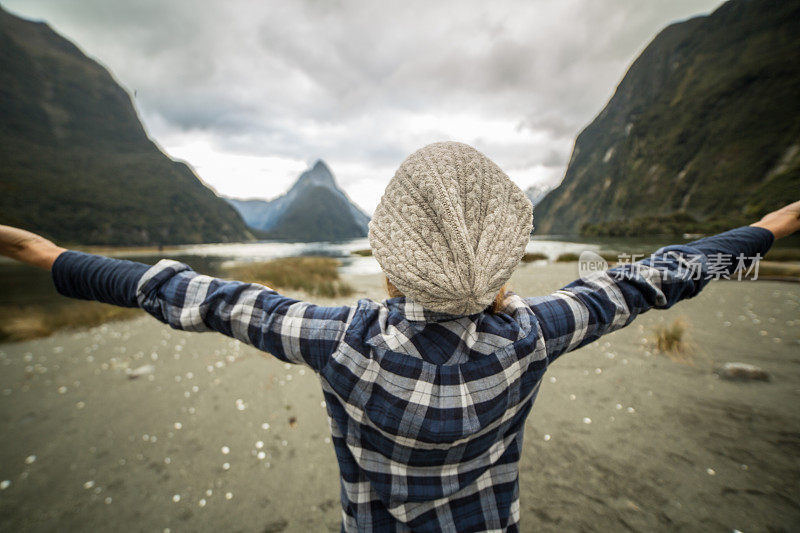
x=450, y=228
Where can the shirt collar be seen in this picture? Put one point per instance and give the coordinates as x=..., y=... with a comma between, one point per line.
x=414, y=312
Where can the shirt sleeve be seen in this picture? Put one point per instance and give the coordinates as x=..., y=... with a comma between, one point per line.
x=606, y=301
x=94, y=277
x=291, y=330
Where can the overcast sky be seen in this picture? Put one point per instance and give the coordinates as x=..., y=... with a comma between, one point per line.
x=249, y=93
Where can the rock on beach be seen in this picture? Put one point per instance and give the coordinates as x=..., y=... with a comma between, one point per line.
x=741, y=372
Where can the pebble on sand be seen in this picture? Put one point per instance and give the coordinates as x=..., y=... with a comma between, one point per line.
x=741, y=372
x=141, y=371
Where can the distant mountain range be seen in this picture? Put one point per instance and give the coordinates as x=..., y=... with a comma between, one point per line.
x=537, y=192
x=75, y=162
x=314, y=209
x=702, y=134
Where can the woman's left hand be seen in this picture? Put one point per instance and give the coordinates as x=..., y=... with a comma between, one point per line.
x=28, y=247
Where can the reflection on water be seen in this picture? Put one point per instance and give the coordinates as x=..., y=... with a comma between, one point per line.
x=21, y=285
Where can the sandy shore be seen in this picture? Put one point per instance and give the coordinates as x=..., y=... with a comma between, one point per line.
x=669, y=446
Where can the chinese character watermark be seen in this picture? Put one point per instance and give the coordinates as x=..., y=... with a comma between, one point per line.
x=713, y=266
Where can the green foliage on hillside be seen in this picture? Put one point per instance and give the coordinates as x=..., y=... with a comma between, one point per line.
x=674, y=224
x=705, y=123
x=75, y=162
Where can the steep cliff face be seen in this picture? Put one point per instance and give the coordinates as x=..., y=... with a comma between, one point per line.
x=77, y=164
x=314, y=209
x=706, y=122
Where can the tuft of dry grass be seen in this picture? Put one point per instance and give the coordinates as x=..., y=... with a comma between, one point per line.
x=316, y=276
x=530, y=257
x=671, y=341
x=22, y=323
x=567, y=257
x=610, y=257
x=367, y=252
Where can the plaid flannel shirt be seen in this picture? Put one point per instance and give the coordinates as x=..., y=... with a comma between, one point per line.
x=427, y=410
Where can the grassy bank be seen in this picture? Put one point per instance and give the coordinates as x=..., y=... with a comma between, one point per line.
x=21, y=323
x=316, y=276
x=778, y=271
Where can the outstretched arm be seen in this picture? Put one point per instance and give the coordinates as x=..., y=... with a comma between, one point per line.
x=28, y=247
x=291, y=330
x=782, y=222
x=601, y=303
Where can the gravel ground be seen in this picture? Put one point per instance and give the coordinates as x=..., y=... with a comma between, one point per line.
x=220, y=437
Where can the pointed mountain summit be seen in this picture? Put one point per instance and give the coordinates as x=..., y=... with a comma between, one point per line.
x=319, y=174
x=314, y=209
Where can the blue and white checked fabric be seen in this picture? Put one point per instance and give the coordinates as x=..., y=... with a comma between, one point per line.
x=427, y=410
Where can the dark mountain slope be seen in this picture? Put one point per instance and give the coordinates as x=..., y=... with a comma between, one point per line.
x=75, y=162
x=704, y=125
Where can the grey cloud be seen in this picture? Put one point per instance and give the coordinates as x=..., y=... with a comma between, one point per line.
x=325, y=78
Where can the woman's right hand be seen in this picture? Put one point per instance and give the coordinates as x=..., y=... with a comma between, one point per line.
x=782, y=222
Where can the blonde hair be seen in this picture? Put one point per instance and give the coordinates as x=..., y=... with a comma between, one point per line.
x=496, y=307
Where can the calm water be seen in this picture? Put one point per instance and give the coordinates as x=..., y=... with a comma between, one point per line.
x=24, y=285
